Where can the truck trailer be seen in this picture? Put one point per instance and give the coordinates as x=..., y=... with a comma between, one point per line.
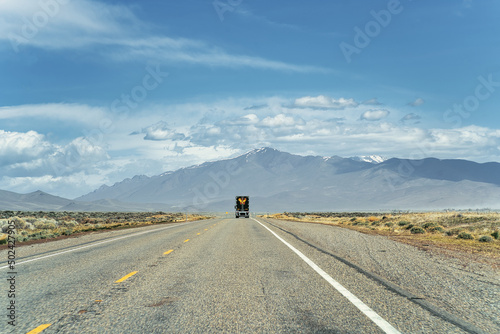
x=242, y=207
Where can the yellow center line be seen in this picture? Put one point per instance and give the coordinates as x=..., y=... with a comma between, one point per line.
x=186, y=240
x=206, y=229
x=126, y=276
x=39, y=329
x=168, y=252
x=198, y=233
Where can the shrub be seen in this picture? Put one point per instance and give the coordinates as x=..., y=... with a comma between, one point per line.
x=436, y=229
x=403, y=223
x=496, y=235
x=417, y=230
x=485, y=238
x=389, y=224
x=408, y=227
x=427, y=225
x=19, y=223
x=44, y=225
x=465, y=235
x=70, y=223
x=68, y=231
x=20, y=238
x=454, y=231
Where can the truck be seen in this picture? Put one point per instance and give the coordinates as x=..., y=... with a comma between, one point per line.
x=242, y=207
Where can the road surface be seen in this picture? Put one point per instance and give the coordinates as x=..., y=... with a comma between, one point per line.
x=211, y=276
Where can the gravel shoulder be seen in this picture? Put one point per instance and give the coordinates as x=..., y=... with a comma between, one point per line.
x=457, y=284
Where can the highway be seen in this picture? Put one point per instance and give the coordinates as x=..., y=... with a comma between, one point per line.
x=210, y=276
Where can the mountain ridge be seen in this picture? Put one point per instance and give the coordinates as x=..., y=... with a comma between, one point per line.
x=282, y=179
x=279, y=181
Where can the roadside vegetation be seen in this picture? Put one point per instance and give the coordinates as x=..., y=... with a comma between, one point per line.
x=43, y=225
x=468, y=231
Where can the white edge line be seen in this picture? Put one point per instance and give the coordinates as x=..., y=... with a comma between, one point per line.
x=365, y=309
x=97, y=243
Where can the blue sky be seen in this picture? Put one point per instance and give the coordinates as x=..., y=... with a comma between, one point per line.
x=92, y=92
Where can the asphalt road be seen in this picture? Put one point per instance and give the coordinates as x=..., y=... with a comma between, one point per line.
x=212, y=276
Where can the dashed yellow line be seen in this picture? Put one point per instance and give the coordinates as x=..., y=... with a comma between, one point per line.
x=168, y=252
x=39, y=329
x=206, y=229
x=126, y=276
x=186, y=240
x=198, y=233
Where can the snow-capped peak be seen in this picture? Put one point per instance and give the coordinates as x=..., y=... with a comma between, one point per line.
x=373, y=159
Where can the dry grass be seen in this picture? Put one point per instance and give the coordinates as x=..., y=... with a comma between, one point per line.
x=471, y=232
x=34, y=226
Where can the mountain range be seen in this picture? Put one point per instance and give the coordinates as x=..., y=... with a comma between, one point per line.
x=278, y=181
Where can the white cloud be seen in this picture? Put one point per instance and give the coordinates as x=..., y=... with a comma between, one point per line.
x=280, y=120
x=161, y=131
x=417, y=102
x=325, y=102
x=86, y=24
x=21, y=147
x=373, y=102
x=244, y=120
x=213, y=131
x=410, y=118
x=61, y=112
x=374, y=115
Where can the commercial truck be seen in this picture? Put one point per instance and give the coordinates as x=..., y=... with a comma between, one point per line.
x=242, y=207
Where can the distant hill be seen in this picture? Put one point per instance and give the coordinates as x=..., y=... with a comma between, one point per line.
x=35, y=201
x=41, y=201
x=280, y=181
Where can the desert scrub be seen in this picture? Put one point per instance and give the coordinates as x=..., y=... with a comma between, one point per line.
x=417, y=230
x=45, y=224
x=454, y=231
x=67, y=231
x=21, y=238
x=4, y=223
x=403, y=223
x=496, y=235
x=465, y=235
x=435, y=229
x=485, y=238
x=69, y=223
x=29, y=226
x=429, y=224
x=19, y=223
